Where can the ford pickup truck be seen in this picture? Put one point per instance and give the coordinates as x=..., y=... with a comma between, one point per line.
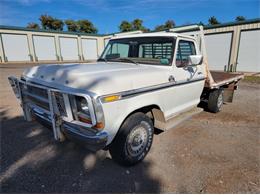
x=141, y=83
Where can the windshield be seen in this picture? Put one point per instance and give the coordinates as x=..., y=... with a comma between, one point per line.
x=146, y=50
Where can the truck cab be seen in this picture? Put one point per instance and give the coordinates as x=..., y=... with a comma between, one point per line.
x=178, y=59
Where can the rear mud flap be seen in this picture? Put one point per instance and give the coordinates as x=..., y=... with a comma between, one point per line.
x=229, y=92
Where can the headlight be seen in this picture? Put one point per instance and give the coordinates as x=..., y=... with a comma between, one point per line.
x=81, y=111
x=82, y=106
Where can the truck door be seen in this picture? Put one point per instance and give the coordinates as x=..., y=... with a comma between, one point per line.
x=189, y=80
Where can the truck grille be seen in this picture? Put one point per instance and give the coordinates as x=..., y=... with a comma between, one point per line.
x=37, y=91
x=60, y=103
x=36, y=96
x=39, y=97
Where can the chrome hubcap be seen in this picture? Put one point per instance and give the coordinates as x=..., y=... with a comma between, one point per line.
x=136, y=141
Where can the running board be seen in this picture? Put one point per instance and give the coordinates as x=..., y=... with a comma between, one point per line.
x=178, y=119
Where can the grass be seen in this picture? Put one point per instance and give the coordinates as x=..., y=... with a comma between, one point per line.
x=252, y=79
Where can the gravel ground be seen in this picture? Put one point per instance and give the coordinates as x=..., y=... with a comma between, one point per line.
x=210, y=153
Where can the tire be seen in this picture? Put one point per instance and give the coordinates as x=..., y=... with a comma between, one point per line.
x=133, y=141
x=216, y=100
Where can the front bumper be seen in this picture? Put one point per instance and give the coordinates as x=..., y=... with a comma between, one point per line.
x=63, y=127
x=85, y=137
x=82, y=135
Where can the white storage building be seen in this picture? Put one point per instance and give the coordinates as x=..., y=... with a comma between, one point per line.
x=231, y=46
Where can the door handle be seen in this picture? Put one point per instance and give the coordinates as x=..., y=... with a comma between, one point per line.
x=171, y=79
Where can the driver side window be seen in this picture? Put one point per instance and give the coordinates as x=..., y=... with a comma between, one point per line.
x=121, y=49
x=185, y=49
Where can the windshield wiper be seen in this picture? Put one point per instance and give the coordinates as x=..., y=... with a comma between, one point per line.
x=127, y=59
x=117, y=59
x=102, y=60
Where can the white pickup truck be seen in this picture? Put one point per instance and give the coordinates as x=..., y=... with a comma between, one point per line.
x=141, y=82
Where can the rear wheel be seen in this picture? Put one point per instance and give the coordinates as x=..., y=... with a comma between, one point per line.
x=133, y=141
x=216, y=100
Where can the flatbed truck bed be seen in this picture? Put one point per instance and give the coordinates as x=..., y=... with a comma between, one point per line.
x=221, y=79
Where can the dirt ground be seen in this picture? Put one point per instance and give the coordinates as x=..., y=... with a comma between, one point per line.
x=210, y=153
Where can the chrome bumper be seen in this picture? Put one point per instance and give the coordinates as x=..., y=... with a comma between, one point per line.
x=62, y=126
x=83, y=135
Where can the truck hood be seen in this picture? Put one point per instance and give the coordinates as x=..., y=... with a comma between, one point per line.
x=100, y=78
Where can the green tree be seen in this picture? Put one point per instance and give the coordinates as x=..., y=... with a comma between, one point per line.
x=86, y=26
x=137, y=24
x=125, y=26
x=50, y=23
x=57, y=24
x=46, y=21
x=213, y=20
x=167, y=25
x=201, y=23
x=33, y=25
x=146, y=30
x=160, y=27
x=72, y=25
x=240, y=18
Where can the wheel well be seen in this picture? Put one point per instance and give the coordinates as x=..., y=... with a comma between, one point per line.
x=152, y=111
x=206, y=91
x=146, y=109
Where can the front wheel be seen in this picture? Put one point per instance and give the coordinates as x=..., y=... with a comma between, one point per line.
x=133, y=141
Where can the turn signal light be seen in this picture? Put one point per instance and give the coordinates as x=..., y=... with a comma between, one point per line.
x=99, y=125
x=111, y=98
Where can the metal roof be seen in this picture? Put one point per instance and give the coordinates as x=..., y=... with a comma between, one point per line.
x=47, y=31
x=256, y=20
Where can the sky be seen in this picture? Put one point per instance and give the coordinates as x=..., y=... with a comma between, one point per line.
x=107, y=15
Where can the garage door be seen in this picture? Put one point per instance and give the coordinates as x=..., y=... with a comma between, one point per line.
x=44, y=48
x=69, y=48
x=15, y=47
x=249, y=49
x=89, y=47
x=218, y=50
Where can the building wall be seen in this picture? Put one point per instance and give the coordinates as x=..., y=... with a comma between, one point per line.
x=238, y=59
x=230, y=46
x=19, y=46
x=248, y=51
x=218, y=50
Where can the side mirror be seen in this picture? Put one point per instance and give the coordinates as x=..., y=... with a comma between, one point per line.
x=195, y=60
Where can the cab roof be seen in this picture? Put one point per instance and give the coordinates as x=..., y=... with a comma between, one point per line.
x=153, y=34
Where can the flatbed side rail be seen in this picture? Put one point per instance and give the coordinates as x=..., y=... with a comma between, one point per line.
x=222, y=78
